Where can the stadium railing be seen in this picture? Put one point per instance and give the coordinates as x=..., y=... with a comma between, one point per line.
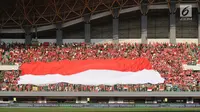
x=96, y=105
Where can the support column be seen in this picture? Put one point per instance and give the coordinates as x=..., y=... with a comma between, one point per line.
x=198, y=4
x=28, y=36
x=116, y=25
x=144, y=29
x=36, y=33
x=172, y=31
x=198, y=28
x=34, y=40
x=87, y=28
x=59, y=34
x=0, y=35
x=144, y=11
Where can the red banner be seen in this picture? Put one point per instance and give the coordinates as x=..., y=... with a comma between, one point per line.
x=67, y=67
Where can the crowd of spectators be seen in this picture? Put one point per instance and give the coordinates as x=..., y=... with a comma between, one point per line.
x=167, y=59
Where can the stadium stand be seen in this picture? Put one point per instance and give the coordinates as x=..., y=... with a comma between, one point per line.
x=166, y=32
x=167, y=59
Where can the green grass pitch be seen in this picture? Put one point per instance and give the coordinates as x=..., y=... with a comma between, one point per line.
x=56, y=109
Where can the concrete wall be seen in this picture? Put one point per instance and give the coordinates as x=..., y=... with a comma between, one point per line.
x=129, y=40
x=160, y=40
x=101, y=28
x=187, y=40
x=158, y=24
x=130, y=26
x=101, y=40
x=47, y=40
x=73, y=40
x=187, y=29
x=74, y=32
x=13, y=40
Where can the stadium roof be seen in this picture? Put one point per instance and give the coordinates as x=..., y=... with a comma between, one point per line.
x=20, y=13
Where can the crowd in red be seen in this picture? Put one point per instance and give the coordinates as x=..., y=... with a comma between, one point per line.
x=167, y=59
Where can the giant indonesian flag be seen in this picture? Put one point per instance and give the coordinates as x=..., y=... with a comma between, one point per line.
x=90, y=72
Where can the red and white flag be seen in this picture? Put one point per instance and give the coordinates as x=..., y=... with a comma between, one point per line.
x=90, y=72
x=149, y=89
